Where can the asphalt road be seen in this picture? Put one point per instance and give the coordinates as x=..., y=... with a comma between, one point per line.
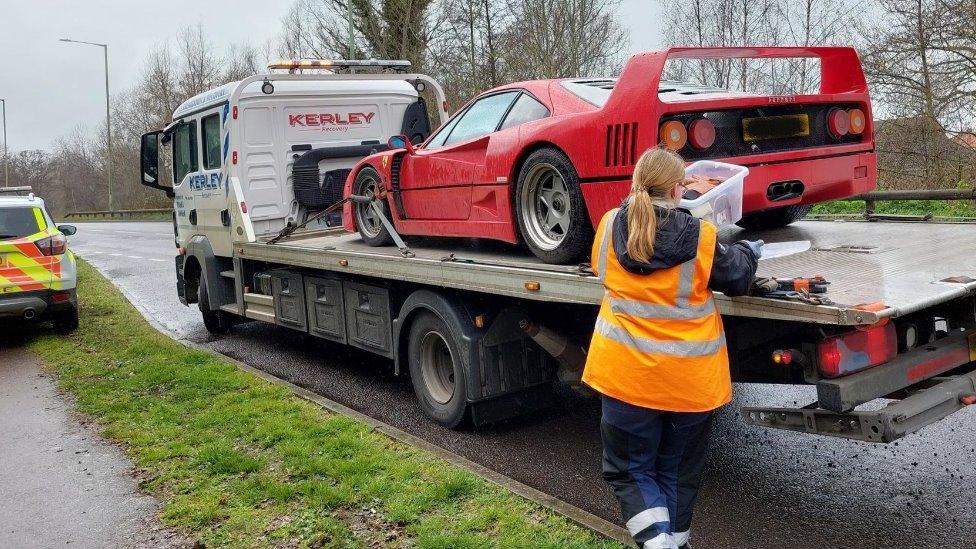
x=764, y=488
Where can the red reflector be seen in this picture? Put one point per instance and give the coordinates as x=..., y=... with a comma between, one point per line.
x=235, y=112
x=243, y=207
x=848, y=353
x=60, y=297
x=233, y=157
x=968, y=400
x=860, y=172
x=838, y=122
x=701, y=133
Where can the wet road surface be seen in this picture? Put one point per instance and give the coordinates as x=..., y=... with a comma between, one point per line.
x=764, y=488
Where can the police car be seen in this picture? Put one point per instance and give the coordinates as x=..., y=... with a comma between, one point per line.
x=37, y=270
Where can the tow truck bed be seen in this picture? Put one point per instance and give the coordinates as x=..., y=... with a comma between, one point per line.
x=904, y=266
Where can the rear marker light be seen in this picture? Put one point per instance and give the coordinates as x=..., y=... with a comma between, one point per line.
x=673, y=135
x=60, y=297
x=857, y=350
x=243, y=207
x=783, y=357
x=701, y=133
x=857, y=121
x=838, y=123
x=233, y=157
x=234, y=112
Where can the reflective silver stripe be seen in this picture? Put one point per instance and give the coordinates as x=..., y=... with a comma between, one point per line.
x=660, y=541
x=601, y=261
x=686, y=279
x=651, y=346
x=639, y=522
x=681, y=538
x=645, y=309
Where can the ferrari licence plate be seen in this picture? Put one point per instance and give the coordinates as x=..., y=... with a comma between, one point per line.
x=775, y=127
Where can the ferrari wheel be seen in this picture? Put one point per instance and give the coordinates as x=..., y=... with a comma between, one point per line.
x=551, y=213
x=367, y=220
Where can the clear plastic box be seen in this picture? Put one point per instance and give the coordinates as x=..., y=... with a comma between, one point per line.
x=723, y=204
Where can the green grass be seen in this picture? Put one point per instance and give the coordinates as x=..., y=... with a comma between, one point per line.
x=938, y=208
x=237, y=461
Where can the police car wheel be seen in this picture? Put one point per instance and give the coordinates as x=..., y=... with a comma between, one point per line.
x=437, y=370
x=368, y=222
x=66, y=322
x=216, y=322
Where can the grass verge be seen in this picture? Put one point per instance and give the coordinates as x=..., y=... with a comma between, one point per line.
x=938, y=208
x=237, y=461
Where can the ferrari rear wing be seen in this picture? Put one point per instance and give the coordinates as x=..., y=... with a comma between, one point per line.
x=840, y=68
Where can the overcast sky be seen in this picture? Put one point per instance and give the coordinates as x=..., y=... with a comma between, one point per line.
x=52, y=87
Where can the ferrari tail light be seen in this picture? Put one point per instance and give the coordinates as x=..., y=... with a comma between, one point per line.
x=673, y=135
x=52, y=245
x=857, y=350
x=857, y=121
x=838, y=123
x=701, y=133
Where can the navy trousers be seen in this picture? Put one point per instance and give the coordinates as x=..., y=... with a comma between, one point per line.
x=653, y=461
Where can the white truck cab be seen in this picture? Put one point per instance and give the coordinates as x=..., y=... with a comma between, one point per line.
x=251, y=157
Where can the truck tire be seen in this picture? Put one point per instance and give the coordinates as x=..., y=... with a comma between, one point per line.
x=773, y=219
x=368, y=224
x=216, y=322
x=66, y=322
x=552, y=217
x=437, y=370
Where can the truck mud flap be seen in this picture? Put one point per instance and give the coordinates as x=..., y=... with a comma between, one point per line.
x=932, y=401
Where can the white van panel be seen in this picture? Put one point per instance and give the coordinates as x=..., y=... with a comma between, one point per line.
x=334, y=114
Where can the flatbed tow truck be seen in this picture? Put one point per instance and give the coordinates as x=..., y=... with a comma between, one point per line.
x=485, y=329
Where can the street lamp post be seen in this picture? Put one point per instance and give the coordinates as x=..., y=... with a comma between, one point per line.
x=108, y=118
x=6, y=161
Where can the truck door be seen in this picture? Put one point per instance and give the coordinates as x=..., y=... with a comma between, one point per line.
x=185, y=164
x=437, y=181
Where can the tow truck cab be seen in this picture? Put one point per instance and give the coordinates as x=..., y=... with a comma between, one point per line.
x=276, y=147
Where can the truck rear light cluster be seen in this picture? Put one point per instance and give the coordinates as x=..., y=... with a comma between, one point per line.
x=52, y=245
x=841, y=122
x=854, y=351
x=699, y=133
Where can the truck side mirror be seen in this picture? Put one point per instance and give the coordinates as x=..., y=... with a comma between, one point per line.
x=400, y=142
x=149, y=162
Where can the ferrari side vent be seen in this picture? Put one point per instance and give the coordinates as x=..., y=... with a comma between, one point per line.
x=395, y=184
x=621, y=147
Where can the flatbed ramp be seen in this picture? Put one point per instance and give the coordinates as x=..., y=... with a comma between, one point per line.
x=904, y=267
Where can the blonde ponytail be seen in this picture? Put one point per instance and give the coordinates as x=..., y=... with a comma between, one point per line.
x=656, y=174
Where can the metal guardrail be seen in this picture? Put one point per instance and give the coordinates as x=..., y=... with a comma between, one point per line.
x=117, y=214
x=871, y=199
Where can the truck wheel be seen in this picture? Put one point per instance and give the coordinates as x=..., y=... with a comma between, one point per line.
x=216, y=322
x=773, y=219
x=437, y=370
x=66, y=322
x=551, y=213
x=367, y=221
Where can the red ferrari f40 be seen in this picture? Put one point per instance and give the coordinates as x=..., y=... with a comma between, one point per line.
x=540, y=162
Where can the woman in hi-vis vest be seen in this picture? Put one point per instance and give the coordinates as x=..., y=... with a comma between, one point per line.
x=658, y=354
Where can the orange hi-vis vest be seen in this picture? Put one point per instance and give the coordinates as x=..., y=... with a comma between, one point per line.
x=658, y=341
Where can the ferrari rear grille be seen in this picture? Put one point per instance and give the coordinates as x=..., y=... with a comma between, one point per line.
x=621, y=146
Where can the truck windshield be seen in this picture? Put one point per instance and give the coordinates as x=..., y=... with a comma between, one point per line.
x=19, y=222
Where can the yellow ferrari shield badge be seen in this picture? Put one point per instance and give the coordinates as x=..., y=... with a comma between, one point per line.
x=386, y=160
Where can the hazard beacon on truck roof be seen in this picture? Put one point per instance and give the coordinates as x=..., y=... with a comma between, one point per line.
x=485, y=332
